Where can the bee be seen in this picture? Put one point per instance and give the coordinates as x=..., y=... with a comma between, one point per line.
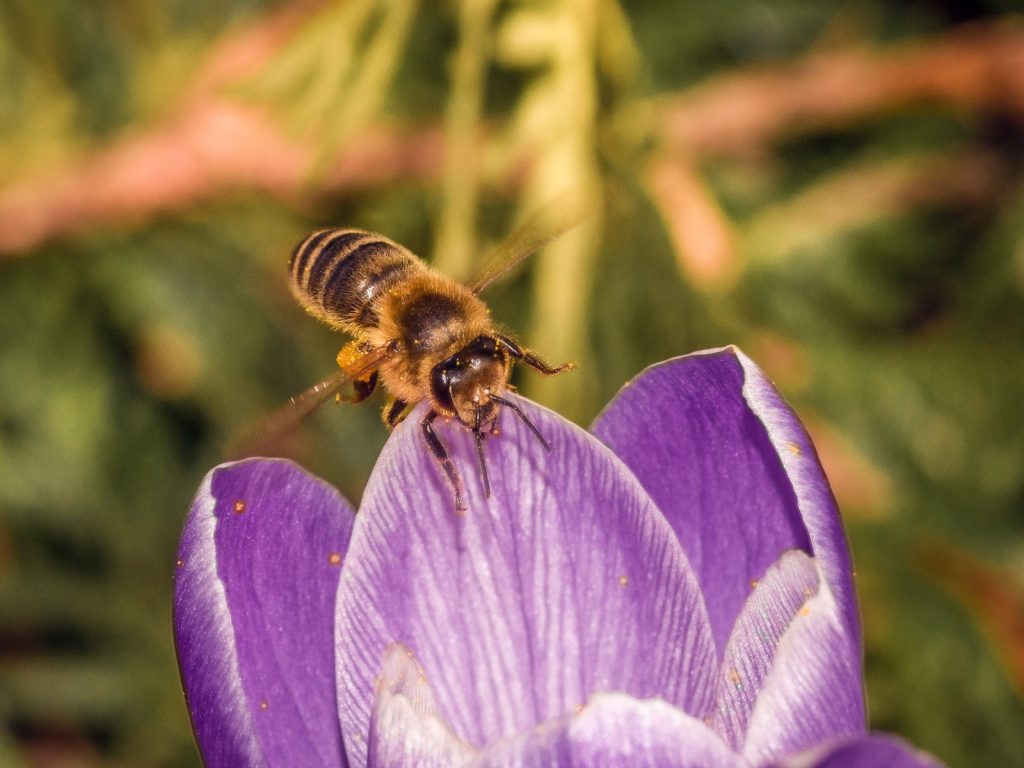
x=420, y=334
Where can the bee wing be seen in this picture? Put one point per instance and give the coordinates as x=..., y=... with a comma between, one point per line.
x=279, y=424
x=555, y=219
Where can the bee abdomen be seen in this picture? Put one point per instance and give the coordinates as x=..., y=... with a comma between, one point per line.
x=338, y=274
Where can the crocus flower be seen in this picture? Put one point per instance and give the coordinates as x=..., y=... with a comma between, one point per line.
x=673, y=589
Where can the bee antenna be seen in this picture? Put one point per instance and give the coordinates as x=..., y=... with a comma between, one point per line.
x=479, y=436
x=519, y=412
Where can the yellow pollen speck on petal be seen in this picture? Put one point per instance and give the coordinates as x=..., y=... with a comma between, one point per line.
x=793, y=448
x=735, y=679
x=239, y=507
x=623, y=580
x=264, y=705
x=805, y=610
x=754, y=583
x=334, y=558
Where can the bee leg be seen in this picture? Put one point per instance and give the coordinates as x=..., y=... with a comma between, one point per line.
x=531, y=359
x=441, y=454
x=394, y=412
x=478, y=435
x=523, y=417
x=363, y=388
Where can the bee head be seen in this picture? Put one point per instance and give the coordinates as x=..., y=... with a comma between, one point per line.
x=464, y=383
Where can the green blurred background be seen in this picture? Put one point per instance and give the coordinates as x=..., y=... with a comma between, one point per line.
x=835, y=189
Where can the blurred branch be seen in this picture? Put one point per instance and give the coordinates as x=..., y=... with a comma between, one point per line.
x=212, y=144
x=704, y=243
x=712, y=256
x=876, y=188
x=990, y=593
x=238, y=55
x=973, y=68
x=863, y=490
x=214, y=148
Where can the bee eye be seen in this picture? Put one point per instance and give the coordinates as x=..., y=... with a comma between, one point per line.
x=441, y=381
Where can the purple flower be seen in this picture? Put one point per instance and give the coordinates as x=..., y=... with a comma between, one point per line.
x=673, y=590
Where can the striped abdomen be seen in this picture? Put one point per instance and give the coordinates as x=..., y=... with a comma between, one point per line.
x=338, y=275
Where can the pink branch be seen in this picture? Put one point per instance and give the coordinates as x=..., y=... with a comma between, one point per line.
x=212, y=145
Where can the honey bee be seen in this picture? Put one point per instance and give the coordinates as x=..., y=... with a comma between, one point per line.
x=419, y=333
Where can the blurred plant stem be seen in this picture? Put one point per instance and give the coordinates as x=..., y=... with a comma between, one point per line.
x=455, y=243
x=362, y=100
x=309, y=77
x=332, y=77
x=556, y=119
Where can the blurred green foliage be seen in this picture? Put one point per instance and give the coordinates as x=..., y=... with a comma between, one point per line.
x=133, y=351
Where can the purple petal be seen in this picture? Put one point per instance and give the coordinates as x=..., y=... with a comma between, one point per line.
x=614, y=730
x=789, y=677
x=813, y=692
x=407, y=728
x=733, y=470
x=254, y=598
x=685, y=430
x=749, y=654
x=813, y=495
x=566, y=582
x=875, y=751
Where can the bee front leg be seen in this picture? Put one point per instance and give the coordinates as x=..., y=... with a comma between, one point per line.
x=519, y=353
x=441, y=454
x=394, y=412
